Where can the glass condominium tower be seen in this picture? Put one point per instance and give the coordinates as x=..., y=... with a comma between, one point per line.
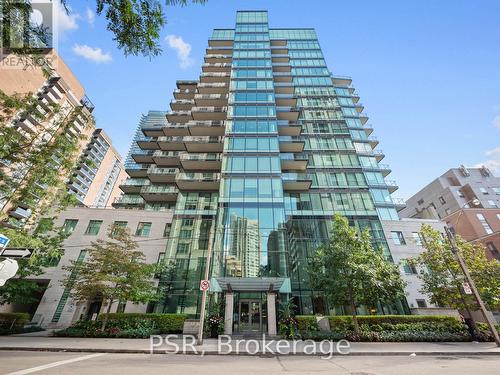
x=257, y=156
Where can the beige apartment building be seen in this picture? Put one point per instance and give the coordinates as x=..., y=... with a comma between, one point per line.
x=52, y=83
x=100, y=172
x=54, y=307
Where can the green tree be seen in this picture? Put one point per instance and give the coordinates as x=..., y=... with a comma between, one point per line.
x=114, y=271
x=135, y=24
x=46, y=241
x=442, y=278
x=350, y=272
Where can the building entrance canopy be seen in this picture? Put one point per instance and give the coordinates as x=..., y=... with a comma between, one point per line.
x=250, y=284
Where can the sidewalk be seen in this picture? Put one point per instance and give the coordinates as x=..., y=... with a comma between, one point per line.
x=210, y=347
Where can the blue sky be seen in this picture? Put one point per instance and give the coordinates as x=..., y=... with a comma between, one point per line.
x=428, y=72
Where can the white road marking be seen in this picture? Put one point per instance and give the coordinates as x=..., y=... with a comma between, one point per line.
x=55, y=364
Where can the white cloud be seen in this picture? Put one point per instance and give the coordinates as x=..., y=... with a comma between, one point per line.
x=182, y=49
x=493, y=161
x=65, y=21
x=93, y=54
x=496, y=122
x=90, y=16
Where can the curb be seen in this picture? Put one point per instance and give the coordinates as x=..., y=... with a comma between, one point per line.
x=212, y=352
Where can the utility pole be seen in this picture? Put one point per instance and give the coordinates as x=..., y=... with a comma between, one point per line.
x=465, y=270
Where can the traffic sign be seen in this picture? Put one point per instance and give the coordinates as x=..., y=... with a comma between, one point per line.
x=204, y=285
x=467, y=288
x=4, y=241
x=13, y=252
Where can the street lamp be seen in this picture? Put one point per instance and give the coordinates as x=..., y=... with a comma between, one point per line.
x=450, y=233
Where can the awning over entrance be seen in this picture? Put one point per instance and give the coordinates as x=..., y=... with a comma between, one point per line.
x=250, y=284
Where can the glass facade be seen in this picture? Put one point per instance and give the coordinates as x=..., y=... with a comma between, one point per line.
x=257, y=156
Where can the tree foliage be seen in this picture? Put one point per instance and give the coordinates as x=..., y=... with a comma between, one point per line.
x=350, y=272
x=443, y=279
x=135, y=24
x=114, y=271
x=46, y=241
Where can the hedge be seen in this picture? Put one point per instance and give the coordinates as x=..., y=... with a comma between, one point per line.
x=307, y=323
x=164, y=323
x=14, y=320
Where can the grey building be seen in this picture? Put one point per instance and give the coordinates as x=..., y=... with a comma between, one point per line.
x=452, y=191
x=404, y=243
x=55, y=308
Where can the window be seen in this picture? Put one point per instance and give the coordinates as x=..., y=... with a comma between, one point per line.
x=420, y=201
x=460, y=194
x=398, y=238
x=484, y=223
x=421, y=303
x=117, y=225
x=182, y=248
x=492, y=203
x=441, y=200
x=493, y=249
x=93, y=227
x=498, y=216
x=69, y=226
x=417, y=238
x=408, y=268
x=166, y=231
x=143, y=229
x=496, y=190
x=483, y=190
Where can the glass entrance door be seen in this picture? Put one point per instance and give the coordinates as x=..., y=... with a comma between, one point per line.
x=250, y=316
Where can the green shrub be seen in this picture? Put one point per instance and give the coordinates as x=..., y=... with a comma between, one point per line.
x=14, y=320
x=400, y=328
x=164, y=323
x=307, y=323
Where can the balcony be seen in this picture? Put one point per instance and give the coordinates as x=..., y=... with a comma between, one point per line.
x=153, y=131
x=186, y=84
x=171, y=143
x=131, y=186
x=287, y=129
x=209, y=113
x=291, y=145
x=213, y=88
x=218, y=58
x=387, y=184
x=211, y=100
x=279, y=50
x=201, y=162
x=211, y=77
x=180, y=117
x=216, y=67
x=159, y=193
x=162, y=175
x=128, y=201
x=288, y=114
x=181, y=104
x=296, y=181
x=397, y=203
x=143, y=157
x=184, y=94
x=283, y=88
x=282, y=67
x=166, y=159
x=341, y=80
x=20, y=213
x=280, y=58
x=379, y=155
x=220, y=42
x=210, y=128
x=282, y=77
x=198, y=181
x=373, y=141
x=286, y=101
x=368, y=129
x=136, y=171
x=219, y=50
x=147, y=144
x=203, y=144
x=176, y=130
x=293, y=162
x=363, y=117
x=382, y=168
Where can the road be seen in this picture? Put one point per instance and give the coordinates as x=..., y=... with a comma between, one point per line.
x=26, y=362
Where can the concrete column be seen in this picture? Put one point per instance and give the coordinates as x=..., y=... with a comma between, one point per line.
x=228, y=314
x=271, y=314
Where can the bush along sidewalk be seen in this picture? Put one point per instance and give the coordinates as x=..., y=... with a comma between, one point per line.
x=14, y=323
x=390, y=328
x=126, y=325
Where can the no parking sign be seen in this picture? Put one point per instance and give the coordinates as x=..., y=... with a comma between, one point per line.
x=204, y=285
